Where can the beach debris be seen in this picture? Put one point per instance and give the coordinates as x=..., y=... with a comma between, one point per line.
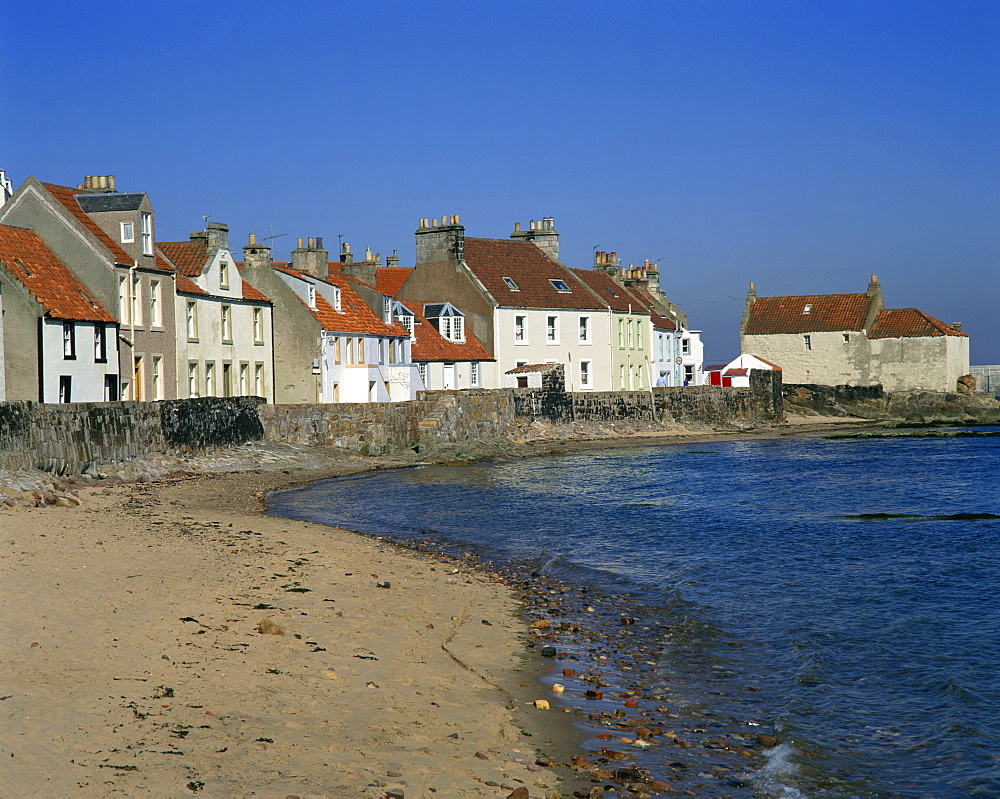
x=371, y=685
x=541, y=704
x=767, y=740
x=396, y=793
x=558, y=688
x=481, y=756
x=540, y=624
x=518, y=793
x=268, y=627
x=331, y=675
x=487, y=622
x=548, y=652
x=383, y=584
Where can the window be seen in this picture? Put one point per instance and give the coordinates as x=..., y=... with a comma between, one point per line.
x=638, y=334
x=258, y=325
x=336, y=349
x=631, y=343
x=311, y=295
x=128, y=233
x=244, y=379
x=406, y=322
x=392, y=350
x=192, y=321
x=808, y=308
x=452, y=328
x=123, y=303
x=227, y=380
x=381, y=350
x=584, y=374
x=146, y=223
x=474, y=374
x=686, y=346
x=422, y=371
x=552, y=329
x=210, y=379
x=258, y=379
x=638, y=377
x=807, y=341
x=387, y=310
x=65, y=388
x=584, y=329
x=520, y=331
x=223, y=274
x=134, y=299
x=847, y=337
x=111, y=388
x=510, y=283
x=227, y=324
x=69, y=341
x=622, y=377
x=138, y=379
x=155, y=305
x=157, y=378
x=361, y=350
x=688, y=375
x=560, y=286
x=193, y=379
x=100, y=343
x=621, y=333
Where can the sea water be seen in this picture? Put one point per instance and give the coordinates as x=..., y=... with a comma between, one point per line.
x=853, y=583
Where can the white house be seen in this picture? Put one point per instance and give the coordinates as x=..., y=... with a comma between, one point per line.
x=225, y=344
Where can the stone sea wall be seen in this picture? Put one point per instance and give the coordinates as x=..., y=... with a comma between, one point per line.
x=872, y=402
x=76, y=438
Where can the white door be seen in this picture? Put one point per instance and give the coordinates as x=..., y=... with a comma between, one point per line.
x=448, y=376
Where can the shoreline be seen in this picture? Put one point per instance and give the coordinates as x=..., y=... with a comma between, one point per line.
x=134, y=659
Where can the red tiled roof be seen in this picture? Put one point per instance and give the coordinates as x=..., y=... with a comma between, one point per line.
x=189, y=257
x=67, y=198
x=610, y=292
x=531, y=269
x=47, y=278
x=828, y=312
x=909, y=323
x=354, y=316
x=429, y=345
x=390, y=279
x=736, y=372
x=252, y=293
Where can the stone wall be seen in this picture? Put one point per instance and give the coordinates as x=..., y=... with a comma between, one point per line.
x=872, y=402
x=364, y=428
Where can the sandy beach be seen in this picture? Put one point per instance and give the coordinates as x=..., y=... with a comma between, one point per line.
x=168, y=638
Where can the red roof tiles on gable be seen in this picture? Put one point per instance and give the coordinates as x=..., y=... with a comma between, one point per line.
x=390, y=279
x=825, y=313
x=253, y=294
x=67, y=198
x=430, y=345
x=47, y=278
x=189, y=257
x=531, y=269
x=353, y=317
x=909, y=323
x=612, y=293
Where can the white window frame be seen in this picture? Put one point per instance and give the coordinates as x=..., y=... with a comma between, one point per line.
x=586, y=374
x=223, y=274
x=69, y=341
x=193, y=379
x=807, y=342
x=227, y=324
x=258, y=325
x=134, y=299
x=210, y=388
x=311, y=295
x=585, y=332
x=155, y=304
x=552, y=329
x=157, y=377
x=100, y=342
x=146, y=226
x=258, y=379
x=124, y=305
x=422, y=371
x=520, y=329
x=191, y=320
x=474, y=376
x=128, y=232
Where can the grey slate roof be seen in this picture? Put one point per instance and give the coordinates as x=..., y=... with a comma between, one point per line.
x=110, y=202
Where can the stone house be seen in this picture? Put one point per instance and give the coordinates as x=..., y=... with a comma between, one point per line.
x=852, y=339
x=107, y=240
x=57, y=343
x=329, y=345
x=225, y=349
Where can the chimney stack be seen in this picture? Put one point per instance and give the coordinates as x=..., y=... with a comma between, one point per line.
x=99, y=184
x=445, y=242
x=255, y=254
x=542, y=234
x=218, y=235
x=312, y=260
x=392, y=260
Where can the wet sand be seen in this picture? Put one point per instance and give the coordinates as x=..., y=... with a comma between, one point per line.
x=132, y=661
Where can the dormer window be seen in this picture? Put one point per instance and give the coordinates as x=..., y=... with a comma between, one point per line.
x=560, y=286
x=128, y=232
x=311, y=295
x=387, y=310
x=808, y=308
x=146, y=224
x=510, y=283
x=447, y=320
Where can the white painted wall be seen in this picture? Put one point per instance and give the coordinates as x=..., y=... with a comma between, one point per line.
x=87, y=374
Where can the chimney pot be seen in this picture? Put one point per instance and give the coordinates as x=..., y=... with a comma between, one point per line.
x=874, y=278
x=752, y=287
x=445, y=220
x=517, y=227
x=454, y=219
x=319, y=242
x=300, y=244
x=312, y=243
x=253, y=238
x=111, y=182
x=423, y=222
x=434, y=223
x=957, y=326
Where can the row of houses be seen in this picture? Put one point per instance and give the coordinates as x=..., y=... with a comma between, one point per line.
x=96, y=308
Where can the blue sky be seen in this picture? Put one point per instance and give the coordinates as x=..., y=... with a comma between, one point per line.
x=801, y=145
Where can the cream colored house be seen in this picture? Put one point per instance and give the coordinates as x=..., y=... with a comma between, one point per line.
x=224, y=346
x=852, y=339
